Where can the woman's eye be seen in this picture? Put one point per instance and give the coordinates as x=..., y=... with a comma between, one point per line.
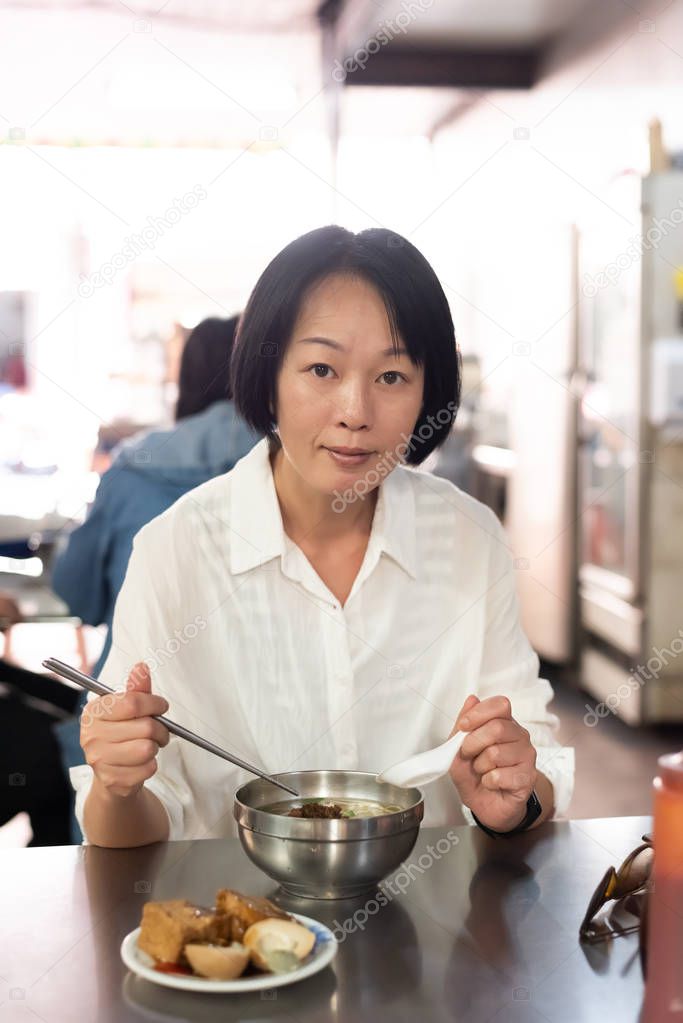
x=323, y=368
x=320, y=365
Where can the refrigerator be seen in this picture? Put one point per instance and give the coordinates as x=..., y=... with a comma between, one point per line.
x=629, y=384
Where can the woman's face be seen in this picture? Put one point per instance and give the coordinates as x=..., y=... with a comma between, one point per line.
x=340, y=385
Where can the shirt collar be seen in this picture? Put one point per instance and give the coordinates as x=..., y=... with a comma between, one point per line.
x=257, y=531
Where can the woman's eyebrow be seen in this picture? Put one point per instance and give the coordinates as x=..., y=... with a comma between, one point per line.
x=339, y=347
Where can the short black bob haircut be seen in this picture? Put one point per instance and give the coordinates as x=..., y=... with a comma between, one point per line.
x=416, y=307
x=204, y=376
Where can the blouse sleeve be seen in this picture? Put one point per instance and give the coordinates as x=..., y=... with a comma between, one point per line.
x=138, y=621
x=509, y=667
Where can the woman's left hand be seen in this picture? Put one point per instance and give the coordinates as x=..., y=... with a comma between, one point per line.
x=495, y=768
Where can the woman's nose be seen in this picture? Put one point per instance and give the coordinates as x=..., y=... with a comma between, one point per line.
x=354, y=407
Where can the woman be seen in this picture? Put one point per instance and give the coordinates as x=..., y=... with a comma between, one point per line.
x=319, y=608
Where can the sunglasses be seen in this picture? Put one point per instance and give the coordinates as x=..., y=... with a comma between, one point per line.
x=627, y=884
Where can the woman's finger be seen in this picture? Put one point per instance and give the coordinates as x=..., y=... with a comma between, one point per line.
x=140, y=678
x=493, y=733
x=470, y=702
x=507, y=754
x=121, y=754
x=517, y=780
x=485, y=710
x=134, y=728
x=123, y=706
x=123, y=779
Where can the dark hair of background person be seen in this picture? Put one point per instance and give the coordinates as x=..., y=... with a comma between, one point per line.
x=205, y=366
x=416, y=306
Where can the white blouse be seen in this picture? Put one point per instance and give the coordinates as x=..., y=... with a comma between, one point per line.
x=254, y=652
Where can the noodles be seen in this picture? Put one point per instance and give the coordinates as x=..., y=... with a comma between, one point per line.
x=330, y=808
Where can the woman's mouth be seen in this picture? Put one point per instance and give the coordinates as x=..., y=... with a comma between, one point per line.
x=347, y=459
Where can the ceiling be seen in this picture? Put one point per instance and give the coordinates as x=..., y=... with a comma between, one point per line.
x=500, y=23
x=421, y=63
x=136, y=72
x=230, y=15
x=214, y=72
x=497, y=23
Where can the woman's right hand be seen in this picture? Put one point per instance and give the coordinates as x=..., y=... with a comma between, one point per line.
x=119, y=736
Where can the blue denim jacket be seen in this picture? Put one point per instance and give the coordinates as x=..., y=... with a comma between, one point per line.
x=148, y=474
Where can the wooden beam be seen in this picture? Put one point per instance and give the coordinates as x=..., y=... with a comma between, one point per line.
x=456, y=68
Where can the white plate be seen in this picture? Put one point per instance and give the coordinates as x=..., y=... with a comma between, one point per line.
x=322, y=953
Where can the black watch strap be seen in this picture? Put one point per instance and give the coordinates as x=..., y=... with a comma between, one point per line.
x=533, y=812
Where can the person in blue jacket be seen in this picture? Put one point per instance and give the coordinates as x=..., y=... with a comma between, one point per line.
x=148, y=473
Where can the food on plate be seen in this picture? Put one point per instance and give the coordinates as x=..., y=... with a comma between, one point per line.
x=245, y=910
x=327, y=808
x=168, y=926
x=240, y=933
x=218, y=962
x=278, y=945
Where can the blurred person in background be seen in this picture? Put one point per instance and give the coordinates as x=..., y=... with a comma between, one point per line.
x=33, y=779
x=149, y=472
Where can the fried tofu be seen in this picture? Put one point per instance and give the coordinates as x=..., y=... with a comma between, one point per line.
x=168, y=926
x=245, y=910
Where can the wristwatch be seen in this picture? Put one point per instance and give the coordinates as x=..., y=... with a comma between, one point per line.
x=533, y=812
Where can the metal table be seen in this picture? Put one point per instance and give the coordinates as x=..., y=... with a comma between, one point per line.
x=473, y=929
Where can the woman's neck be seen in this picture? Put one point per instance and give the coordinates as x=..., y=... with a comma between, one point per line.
x=308, y=515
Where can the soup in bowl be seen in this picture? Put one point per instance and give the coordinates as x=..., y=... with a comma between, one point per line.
x=329, y=809
x=344, y=834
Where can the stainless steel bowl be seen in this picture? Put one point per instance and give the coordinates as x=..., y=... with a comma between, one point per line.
x=321, y=858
